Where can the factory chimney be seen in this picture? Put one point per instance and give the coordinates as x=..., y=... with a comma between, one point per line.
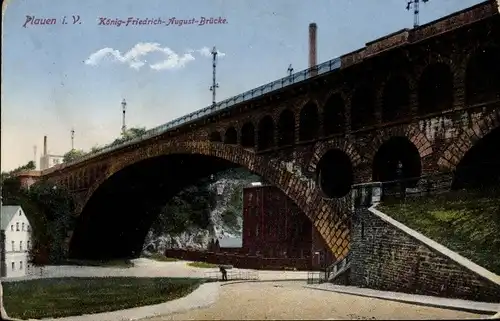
x=312, y=47
x=44, y=145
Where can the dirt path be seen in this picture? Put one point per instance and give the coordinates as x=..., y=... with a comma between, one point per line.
x=289, y=300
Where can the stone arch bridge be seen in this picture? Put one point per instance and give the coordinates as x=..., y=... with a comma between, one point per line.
x=428, y=98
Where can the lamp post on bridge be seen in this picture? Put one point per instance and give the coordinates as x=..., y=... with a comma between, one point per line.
x=214, y=82
x=416, y=10
x=124, y=109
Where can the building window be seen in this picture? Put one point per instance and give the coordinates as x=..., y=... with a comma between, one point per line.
x=12, y=227
x=28, y=228
x=13, y=246
x=17, y=226
x=22, y=226
x=20, y=265
x=28, y=247
x=19, y=213
x=13, y=266
x=20, y=245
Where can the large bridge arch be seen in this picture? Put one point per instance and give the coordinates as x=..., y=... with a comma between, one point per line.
x=456, y=150
x=327, y=216
x=480, y=165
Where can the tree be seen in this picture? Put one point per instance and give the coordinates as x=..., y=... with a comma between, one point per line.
x=31, y=165
x=72, y=155
x=134, y=132
x=50, y=212
x=129, y=134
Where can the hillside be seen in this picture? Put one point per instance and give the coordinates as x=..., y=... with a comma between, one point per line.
x=210, y=209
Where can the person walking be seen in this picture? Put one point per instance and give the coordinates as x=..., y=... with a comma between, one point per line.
x=224, y=272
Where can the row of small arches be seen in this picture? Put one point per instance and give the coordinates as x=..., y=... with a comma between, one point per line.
x=435, y=94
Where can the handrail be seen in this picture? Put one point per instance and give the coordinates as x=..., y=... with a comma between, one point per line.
x=328, y=66
x=333, y=267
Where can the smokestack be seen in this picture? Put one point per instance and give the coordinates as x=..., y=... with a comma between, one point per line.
x=312, y=46
x=44, y=145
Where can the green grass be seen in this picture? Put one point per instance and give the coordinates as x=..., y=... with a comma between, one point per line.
x=465, y=222
x=161, y=258
x=60, y=297
x=123, y=263
x=202, y=265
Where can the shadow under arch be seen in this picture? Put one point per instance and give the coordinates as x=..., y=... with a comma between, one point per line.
x=214, y=157
x=397, y=159
x=480, y=165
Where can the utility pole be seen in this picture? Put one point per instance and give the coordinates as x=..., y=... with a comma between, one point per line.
x=72, y=139
x=290, y=70
x=124, y=108
x=214, y=82
x=416, y=10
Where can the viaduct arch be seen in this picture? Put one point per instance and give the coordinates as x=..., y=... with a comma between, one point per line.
x=329, y=216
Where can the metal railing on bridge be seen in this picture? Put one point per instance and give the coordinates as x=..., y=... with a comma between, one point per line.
x=298, y=77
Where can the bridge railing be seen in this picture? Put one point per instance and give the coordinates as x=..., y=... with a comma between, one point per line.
x=298, y=77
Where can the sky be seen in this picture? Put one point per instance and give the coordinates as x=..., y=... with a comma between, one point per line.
x=68, y=75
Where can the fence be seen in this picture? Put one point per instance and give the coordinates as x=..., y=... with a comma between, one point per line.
x=241, y=261
x=232, y=275
x=482, y=178
x=316, y=277
x=298, y=77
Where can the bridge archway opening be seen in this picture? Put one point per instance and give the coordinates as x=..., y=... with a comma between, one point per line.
x=116, y=219
x=334, y=115
x=395, y=99
x=335, y=174
x=363, y=107
x=480, y=166
x=397, y=159
x=265, y=133
x=308, y=122
x=248, y=135
x=215, y=136
x=482, y=78
x=120, y=213
x=231, y=136
x=435, y=89
x=286, y=128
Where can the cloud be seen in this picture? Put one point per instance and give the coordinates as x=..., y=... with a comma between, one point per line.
x=134, y=58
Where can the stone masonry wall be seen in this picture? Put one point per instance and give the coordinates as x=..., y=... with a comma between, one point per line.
x=386, y=258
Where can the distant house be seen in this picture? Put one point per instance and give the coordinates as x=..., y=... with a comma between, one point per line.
x=17, y=243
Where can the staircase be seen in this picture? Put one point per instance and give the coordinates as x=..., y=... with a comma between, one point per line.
x=337, y=268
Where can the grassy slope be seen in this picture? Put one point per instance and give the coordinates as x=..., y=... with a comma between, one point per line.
x=202, y=265
x=159, y=257
x=467, y=223
x=61, y=297
x=124, y=263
